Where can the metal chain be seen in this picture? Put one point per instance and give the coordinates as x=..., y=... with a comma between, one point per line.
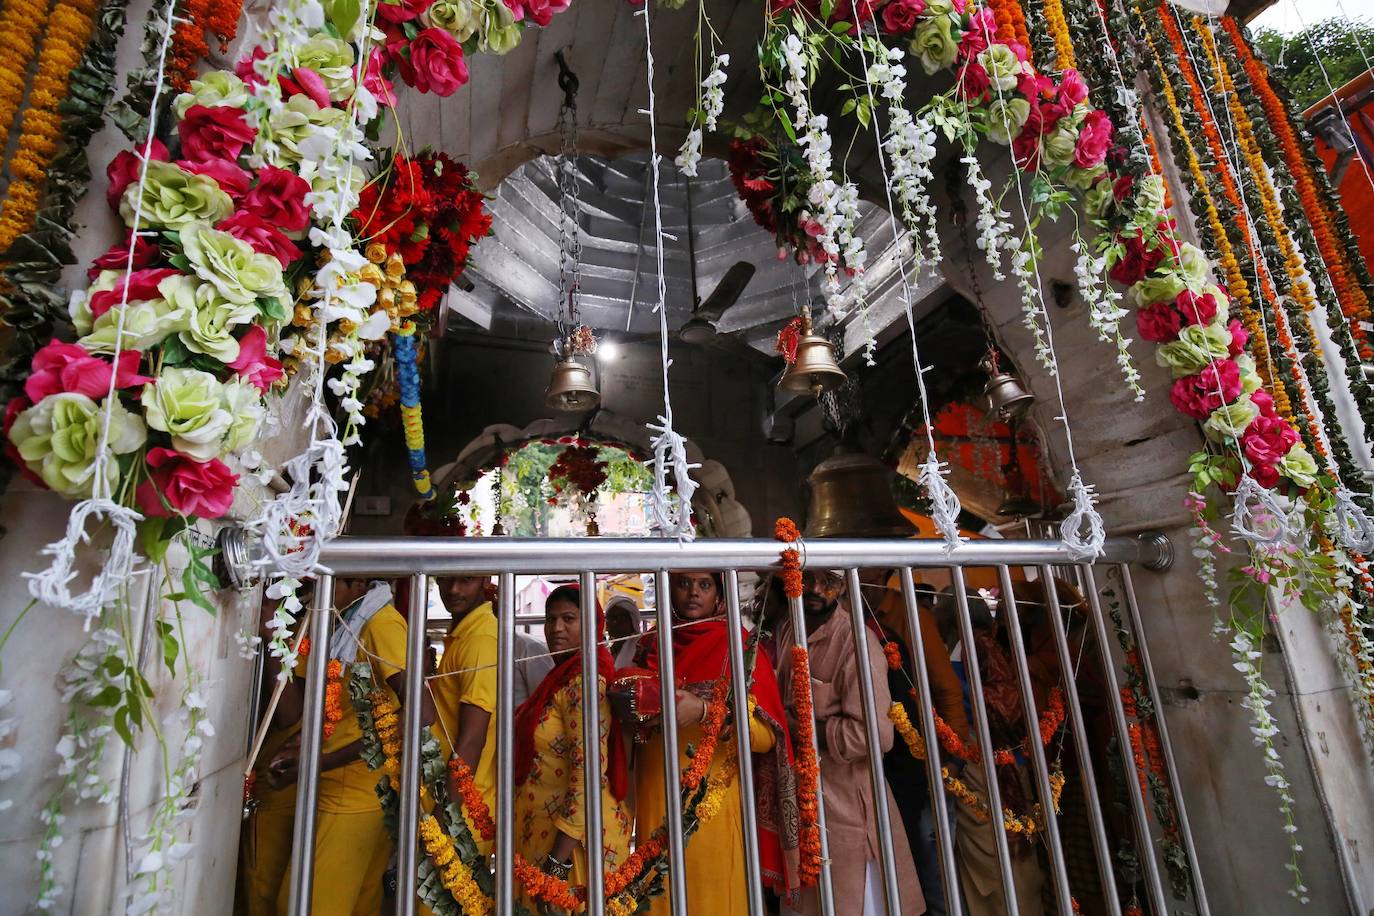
x=569, y=208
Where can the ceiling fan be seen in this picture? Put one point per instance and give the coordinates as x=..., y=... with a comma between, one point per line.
x=701, y=327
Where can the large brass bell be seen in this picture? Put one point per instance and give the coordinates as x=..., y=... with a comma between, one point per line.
x=571, y=388
x=1003, y=393
x=815, y=370
x=851, y=497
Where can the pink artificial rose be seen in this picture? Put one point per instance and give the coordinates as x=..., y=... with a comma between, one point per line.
x=1199, y=394
x=232, y=180
x=1239, y=338
x=1094, y=138
x=311, y=84
x=960, y=6
x=1196, y=309
x=1264, y=401
x=245, y=70
x=201, y=488
x=62, y=367
x=982, y=26
x=435, y=64
x=1050, y=115
x=900, y=16
x=124, y=170
x=262, y=235
x=973, y=81
x=1137, y=262
x=253, y=364
x=142, y=286
x=117, y=257
x=279, y=198
x=376, y=82
x=1021, y=51
x=1159, y=323
x=1032, y=85
x=214, y=133
x=1267, y=439
x=1072, y=90
x=394, y=13
x=539, y=11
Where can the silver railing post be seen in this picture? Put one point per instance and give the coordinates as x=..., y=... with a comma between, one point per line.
x=591, y=742
x=1144, y=841
x=505, y=747
x=1058, y=870
x=1171, y=768
x=407, y=859
x=308, y=778
x=1078, y=725
x=980, y=714
x=825, y=886
x=672, y=772
x=944, y=837
x=739, y=695
x=891, y=895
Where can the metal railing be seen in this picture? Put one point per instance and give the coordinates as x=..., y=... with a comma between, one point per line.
x=419, y=559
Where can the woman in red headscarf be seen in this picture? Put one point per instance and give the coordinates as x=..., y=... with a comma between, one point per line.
x=716, y=875
x=550, y=793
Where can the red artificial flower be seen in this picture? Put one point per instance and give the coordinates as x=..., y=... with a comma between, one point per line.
x=253, y=365
x=1267, y=439
x=900, y=16
x=1094, y=137
x=63, y=367
x=1137, y=262
x=117, y=257
x=201, y=488
x=262, y=235
x=232, y=180
x=435, y=63
x=220, y=132
x=142, y=286
x=1072, y=90
x=1199, y=394
x=1159, y=323
x=279, y=198
x=125, y=168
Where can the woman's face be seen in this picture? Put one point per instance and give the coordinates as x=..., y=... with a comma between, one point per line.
x=695, y=596
x=563, y=627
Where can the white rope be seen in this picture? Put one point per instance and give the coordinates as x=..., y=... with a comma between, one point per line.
x=52, y=586
x=669, y=447
x=944, y=502
x=1259, y=518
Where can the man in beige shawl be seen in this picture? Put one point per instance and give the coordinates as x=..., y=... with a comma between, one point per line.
x=847, y=786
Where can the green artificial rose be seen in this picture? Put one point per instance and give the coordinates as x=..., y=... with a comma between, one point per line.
x=500, y=33
x=1196, y=269
x=1086, y=180
x=934, y=43
x=218, y=87
x=460, y=18
x=294, y=122
x=146, y=324
x=1229, y=421
x=189, y=405
x=1003, y=67
x=57, y=438
x=332, y=59
x=1005, y=118
x=1250, y=381
x=244, y=403
x=79, y=306
x=173, y=197
x=210, y=319
x=1059, y=145
x=937, y=8
x=1197, y=345
x=1157, y=288
x=239, y=273
x=1299, y=466
x=1099, y=198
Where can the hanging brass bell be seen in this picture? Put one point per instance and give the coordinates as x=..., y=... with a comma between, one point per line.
x=1005, y=396
x=571, y=388
x=851, y=497
x=815, y=370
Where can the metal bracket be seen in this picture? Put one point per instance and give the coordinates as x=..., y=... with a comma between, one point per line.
x=1156, y=551
x=236, y=555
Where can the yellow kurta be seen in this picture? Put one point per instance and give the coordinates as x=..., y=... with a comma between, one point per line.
x=351, y=844
x=553, y=798
x=265, y=840
x=717, y=881
x=467, y=674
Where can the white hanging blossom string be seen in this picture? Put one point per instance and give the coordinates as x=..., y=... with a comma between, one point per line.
x=944, y=502
x=1104, y=309
x=712, y=104
x=671, y=516
x=52, y=586
x=910, y=145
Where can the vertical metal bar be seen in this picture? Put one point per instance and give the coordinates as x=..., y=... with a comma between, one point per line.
x=891, y=895
x=944, y=837
x=1171, y=768
x=505, y=747
x=591, y=742
x=672, y=773
x=980, y=713
x=1080, y=737
x=1144, y=842
x=825, y=887
x=739, y=695
x=1058, y=870
x=407, y=859
x=308, y=780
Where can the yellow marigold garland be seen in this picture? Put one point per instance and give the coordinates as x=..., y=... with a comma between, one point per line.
x=453, y=872
x=21, y=24
x=69, y=30
x=1059, y=31
x=388, y=723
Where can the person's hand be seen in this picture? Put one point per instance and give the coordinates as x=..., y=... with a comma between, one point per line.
x=284, y=768
x=691, y=709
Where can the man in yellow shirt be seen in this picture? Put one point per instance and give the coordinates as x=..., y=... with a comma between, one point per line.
x=464, y=687
x=351, y=844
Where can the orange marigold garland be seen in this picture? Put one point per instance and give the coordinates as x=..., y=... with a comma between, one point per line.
x=333, y=696
x=479, y=816
x=40, y=130
x=1059, y=30
x=808, y=767
x=1011, y=22
x=786, y=531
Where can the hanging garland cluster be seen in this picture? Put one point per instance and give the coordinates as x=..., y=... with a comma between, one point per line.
x=408, y=380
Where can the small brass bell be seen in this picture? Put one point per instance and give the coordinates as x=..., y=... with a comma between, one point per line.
x=571, y=388
x=1003, y=393
x=815, y=370
x=851, y=496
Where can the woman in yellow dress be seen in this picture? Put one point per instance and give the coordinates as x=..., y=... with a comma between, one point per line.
x=550, y=795
x=716, y=875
